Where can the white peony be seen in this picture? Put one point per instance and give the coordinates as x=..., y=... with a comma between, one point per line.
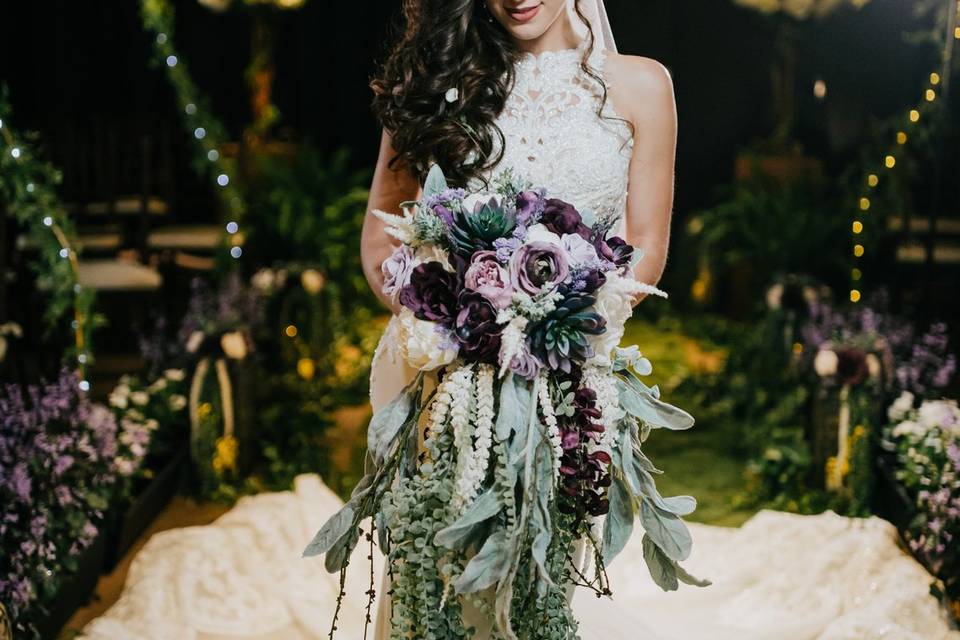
x=312, y=281
x=908, y=427
x=579, y=251
x=900, y=407
x=177, y=402
x=825, y=363
x=140, y=397
x=615, y=305
x=938, y=413
x=424, y=345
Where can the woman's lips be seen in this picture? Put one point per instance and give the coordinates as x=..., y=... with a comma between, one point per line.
x=524, y=14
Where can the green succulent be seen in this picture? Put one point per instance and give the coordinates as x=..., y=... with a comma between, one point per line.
x=476, y=230
x=560, y=339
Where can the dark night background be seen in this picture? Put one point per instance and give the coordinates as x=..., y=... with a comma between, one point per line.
x=71, y=63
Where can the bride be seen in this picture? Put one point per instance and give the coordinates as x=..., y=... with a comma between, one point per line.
x=535, y=86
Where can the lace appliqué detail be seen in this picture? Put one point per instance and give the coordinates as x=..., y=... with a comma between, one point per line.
x=555, y=138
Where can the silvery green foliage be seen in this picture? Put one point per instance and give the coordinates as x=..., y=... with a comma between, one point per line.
x=435, y=182
x=429, y=229
x=508, y=184
x=509, y=553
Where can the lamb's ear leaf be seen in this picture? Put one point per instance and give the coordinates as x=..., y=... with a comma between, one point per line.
x=332, y=530
x=662, y=569
x=639, y=401
x=458, y=533
x=435, y=182
x=514, y=406
x=339, y=553
x=666, y=530
x=389, y=420
x=486, y=568
x=686, y=578
x=618, y=524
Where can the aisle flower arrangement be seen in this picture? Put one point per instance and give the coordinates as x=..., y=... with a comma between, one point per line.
x=926, y=442
x=59, y=458
x=513, y=307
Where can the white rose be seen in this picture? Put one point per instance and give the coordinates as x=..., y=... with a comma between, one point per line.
x=312, y=281
x=900, y=407
x=825, y=363
x=908, y=427
x=140, y=397
x=936, y=413
x=539, y=233
x=194, y=341
x=175, y=375
x=470, y=203
x=424, y=345
x=118, y=400
x=615, y=305
x=234, y=345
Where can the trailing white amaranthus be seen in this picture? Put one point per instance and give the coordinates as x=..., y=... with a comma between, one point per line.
x=461, y=399
x=550, y=418
x=475, y=467
x=440, y=408
x=604, y=385
x=511, y=339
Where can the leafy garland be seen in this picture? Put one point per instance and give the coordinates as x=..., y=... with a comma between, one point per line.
x=207, y=132
x=28, y=190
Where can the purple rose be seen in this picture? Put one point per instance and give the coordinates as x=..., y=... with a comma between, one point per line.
x=486, y=276
x=562, y=217
x=476, y=328
x=537, y=267
x=529, y=205
x=525, y=364
x=431, y=294
x=396, y=271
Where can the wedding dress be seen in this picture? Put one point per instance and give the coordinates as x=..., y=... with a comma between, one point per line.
x=779, y=576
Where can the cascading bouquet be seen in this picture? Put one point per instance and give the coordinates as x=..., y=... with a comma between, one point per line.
x=488, y=475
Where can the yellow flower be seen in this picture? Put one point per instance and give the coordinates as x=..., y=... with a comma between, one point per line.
x=225, y=457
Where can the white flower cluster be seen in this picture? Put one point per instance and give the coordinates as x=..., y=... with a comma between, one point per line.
x=917, y=423
x=475, y=465
x=550, y=418
x=604, y=385
x=136, y=430
x=461, y=399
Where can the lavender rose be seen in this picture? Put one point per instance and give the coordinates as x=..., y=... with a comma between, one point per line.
x=562, y=217
x=430, y=294
x=538, y=266
x=486, y=276
x=529, y=205
x=397, y=270
x=476, y=328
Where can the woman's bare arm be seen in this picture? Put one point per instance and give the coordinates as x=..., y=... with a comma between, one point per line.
x=645, y=90
x=390, y=187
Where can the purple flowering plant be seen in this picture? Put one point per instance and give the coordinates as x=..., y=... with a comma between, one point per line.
x=57, y=473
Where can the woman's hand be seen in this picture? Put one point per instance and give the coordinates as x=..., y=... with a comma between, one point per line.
x=642, y=92
x=390, y=187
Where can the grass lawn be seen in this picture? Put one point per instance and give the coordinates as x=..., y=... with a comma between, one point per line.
x=695, y=462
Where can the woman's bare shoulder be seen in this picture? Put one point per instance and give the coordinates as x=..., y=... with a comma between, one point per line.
x=641, y=86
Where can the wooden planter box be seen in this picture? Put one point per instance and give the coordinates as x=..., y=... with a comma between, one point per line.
x=127, y=526
x=76, y=590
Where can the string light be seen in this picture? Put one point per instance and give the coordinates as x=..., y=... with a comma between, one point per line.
x=291, y=331
x=873, y=180
x=236, y=252
x=199, y=133
x=84, y=385
x=171, y=60
x=232, y=227
x=190, y=109
x=47, y=221
x=901, y=137
x=854, y=295
x=31, y=187
x=161, y=38
x=223, y=179
x=864, y=204
x=914, y=115
x=930, y=95
x=213, y=155
x=856, y=274
x=15, y=152
x=858, y=250
x=857, y=226
x=934, y=78
x=890, y=162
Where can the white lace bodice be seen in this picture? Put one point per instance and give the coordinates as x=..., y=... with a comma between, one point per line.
x=554, y=137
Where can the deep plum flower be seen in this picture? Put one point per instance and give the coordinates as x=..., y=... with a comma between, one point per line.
x=485, y=275
x=529, y=206
x=476, y=328
x=431, y=294
x=537, y=267
x=562, y=217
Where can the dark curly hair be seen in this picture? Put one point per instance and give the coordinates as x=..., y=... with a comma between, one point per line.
x=445, y=44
